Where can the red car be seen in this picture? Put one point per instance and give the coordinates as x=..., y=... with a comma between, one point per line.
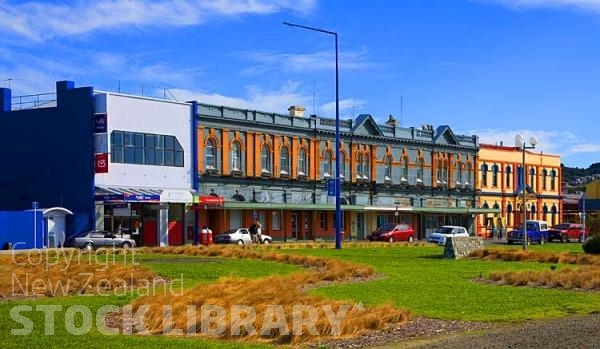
x=393, y=232
x=566, y=232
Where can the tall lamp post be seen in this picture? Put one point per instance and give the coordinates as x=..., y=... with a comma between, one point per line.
x=520, y=143
x=338, y=205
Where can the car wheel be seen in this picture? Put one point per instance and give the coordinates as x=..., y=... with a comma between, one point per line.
x=370, y=238
x=240, y=242
x=564, y=238
x=88, y=246
x=581, y=238
x=391, y=239
x=266, y=241
x=542, y=240
x=411, y=239
x=529, y=240
x=126, y=245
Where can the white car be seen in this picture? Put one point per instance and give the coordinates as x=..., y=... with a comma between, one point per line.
x=240, y=236
x=445, y=231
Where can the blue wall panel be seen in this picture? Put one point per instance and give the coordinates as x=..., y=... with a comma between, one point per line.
x=17, y=227
x=48, y=156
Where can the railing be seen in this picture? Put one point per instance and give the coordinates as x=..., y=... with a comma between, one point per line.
x=42, y=100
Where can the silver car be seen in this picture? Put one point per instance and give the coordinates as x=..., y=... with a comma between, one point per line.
x=99, y=238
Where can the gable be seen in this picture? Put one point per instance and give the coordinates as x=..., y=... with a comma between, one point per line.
x=366, y=126
x=444, y=135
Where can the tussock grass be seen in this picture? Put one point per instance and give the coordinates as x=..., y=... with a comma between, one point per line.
x=584, y=278
x=261, y=294
x=538, y=256
x=45, y=274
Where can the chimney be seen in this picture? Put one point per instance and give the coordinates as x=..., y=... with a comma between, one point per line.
x=296, y=111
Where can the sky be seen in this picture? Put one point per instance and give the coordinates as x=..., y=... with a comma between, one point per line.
x=492, y=68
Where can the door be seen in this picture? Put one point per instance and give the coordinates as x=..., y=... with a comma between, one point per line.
x=360, y=226
x=295, y=225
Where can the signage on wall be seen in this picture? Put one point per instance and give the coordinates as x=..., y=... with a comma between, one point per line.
x=101, y=163
x=100, y=123
x=101, y=143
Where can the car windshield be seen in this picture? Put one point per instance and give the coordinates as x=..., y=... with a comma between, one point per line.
x=386, y=227
x=444, y=230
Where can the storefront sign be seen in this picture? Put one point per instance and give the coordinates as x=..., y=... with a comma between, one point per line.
x=101, y=163
x=140, y=197
x=100, y=123
x=211, y=200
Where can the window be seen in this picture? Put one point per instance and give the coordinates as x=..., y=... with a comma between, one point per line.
x=552, y=180
x=494, y=175
x=323, y=220
x=236, y=156
x=442, y=172
x=484, y=169
x=420, y=170
x=366, y=167
x=532, y=178
x=327, y=165
x=265, y=159
x=388, y=168
x=359, y=167
x=342, y=165
x=544, y=178
x=458, y=174
x=145, y=149
x=210, y=155
x=508, y=173
x=284, y=161
x=404, y=171
x=302, y=163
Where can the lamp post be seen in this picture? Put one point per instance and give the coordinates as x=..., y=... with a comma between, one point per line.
x=338, y=205
x=520, y=143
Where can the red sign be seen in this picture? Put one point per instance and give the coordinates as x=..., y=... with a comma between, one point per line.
x=211, y=200
x=101, y=163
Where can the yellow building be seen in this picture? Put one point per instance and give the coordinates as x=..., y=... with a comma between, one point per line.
x=499, y=181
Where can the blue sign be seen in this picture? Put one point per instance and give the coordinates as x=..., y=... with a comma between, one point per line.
x=141, y=197
x=331, y=187
x=100, y=123
x=108, y=197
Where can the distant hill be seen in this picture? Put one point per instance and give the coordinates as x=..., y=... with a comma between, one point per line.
x=572, y=173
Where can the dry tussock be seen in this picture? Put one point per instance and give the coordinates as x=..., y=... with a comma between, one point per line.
x=45, y=274
x=584, y=278
x=260, y=294
x=538, y=256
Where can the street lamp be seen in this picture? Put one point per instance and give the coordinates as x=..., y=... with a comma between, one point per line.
x=338, y=204
x=520, y=143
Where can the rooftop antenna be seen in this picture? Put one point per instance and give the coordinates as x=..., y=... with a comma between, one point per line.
x=314, y=83
x=353, y=108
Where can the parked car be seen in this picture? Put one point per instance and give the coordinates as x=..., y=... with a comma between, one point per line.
x=566, y=232
x=537, y=231
x=440, y=235
x=99, y=238
x=240, y=236
x=393, y=232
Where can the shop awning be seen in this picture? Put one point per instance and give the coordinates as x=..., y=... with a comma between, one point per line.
x=287, y=206
x=142, y=194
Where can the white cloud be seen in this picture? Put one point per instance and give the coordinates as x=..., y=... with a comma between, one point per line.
x=590, y=5
x=37, y=20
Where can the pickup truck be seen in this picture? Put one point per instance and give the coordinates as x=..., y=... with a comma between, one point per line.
x=537, y=231
x=566, y=232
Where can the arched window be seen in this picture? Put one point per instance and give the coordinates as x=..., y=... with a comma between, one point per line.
x=544, y=178
x=469, y=176
x=359, y=167
x=508, y=176
x=388, y=168
x=342, y=165
x=442, y=172
x=494, y=175
x=284, y=161
x=533, y=212
x=302, y=163
x=458, y=174
x=509, y=214
x=366, y=167
x=484, y=169
x=327, y=165
x=210, y=156
x=552, y=180
x=485, y=205
x=236, y=156
x=420, y=171
x=544, y=212
x=265, y=159
x=554, y=212
x=496, y=206
x=532, y=178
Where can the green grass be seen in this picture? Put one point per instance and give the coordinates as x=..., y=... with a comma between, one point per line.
x=414, y=278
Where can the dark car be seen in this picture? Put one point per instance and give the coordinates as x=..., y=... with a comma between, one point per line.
x=99, y=238
x=566, y=232
x=393, y=232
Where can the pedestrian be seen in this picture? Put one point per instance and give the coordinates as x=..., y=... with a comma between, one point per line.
x=258, y=231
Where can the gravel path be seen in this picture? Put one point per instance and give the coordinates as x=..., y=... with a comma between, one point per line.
x=582, y=331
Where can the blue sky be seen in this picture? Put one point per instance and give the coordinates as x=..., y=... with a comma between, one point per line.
x=495, y=68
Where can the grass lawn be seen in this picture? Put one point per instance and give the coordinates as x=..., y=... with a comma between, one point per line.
x=414, y=278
